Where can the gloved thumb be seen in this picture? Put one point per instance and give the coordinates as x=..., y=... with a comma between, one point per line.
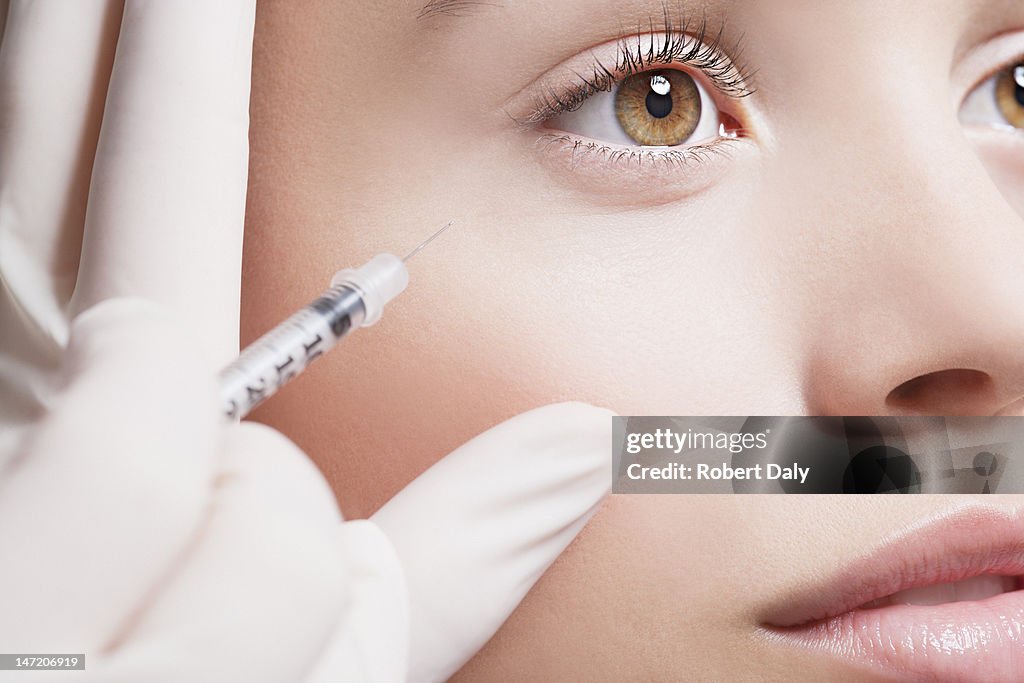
x=476, y=530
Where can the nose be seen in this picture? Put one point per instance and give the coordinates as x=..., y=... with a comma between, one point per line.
x=913, y=283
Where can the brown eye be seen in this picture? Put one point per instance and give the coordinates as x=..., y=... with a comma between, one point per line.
x=1010, y=95
x=660, y=108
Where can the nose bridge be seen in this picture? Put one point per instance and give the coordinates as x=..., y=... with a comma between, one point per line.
x=920, y=260
x=935, y=238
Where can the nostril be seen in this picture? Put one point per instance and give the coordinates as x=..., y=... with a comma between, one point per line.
x=946, y=392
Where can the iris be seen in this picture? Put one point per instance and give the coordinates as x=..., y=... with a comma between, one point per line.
x=658, y=108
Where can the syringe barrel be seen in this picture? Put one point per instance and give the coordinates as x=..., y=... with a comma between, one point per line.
x=283, y=353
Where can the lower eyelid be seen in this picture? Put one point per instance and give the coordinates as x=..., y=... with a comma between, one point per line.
x=579, y=151
x=636, y=176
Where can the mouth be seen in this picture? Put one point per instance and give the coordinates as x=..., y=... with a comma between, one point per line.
x=940, y=601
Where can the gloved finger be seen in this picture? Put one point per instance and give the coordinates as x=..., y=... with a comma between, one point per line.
x=54, y=65
x=264, y=586
x=108, y=490
x=54, y=62
x=167, y=199
x=476, y=530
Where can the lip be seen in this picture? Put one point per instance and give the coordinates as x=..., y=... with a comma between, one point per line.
x=979, y=640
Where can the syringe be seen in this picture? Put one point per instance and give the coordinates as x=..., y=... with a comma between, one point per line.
x=356, y=298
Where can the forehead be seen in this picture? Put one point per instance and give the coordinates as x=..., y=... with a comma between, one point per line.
x=446, y=23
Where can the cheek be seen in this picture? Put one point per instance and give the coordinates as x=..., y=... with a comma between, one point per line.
x=473, y=342
x=398, y=396
x=657, y=312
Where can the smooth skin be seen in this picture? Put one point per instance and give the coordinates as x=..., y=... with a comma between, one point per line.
x=858, y=253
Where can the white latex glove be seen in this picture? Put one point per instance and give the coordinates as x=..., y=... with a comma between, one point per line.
x=135, y=526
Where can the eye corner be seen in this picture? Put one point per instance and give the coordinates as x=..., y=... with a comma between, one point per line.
x=997, y=99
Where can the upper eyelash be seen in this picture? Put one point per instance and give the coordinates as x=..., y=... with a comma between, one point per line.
x=676, y=45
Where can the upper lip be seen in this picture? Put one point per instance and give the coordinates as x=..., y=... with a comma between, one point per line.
x=958, y=545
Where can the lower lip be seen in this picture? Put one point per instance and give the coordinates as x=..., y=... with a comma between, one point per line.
x=964, y=641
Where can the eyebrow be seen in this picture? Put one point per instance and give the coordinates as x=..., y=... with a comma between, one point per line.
x=452, y=8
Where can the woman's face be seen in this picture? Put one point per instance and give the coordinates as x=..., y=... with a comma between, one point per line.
x=836, y=229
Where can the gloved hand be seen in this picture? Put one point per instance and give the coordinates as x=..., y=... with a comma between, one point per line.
x=136, y=526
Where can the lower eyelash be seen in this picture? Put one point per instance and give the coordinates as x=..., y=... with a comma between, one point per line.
x=673, y=157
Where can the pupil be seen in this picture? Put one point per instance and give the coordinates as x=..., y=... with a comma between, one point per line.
x=659, y=99
x=660, y=106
